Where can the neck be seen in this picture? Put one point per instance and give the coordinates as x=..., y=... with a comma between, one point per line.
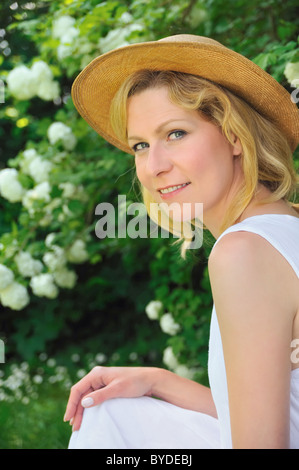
x=257, y=206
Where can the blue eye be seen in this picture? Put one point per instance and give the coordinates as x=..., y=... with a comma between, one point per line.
x=176, y=135
x=139, y=146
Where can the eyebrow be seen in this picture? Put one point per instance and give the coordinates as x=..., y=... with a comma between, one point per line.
x=159, y=128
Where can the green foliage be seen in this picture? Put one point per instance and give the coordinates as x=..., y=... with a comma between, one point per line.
x=104, y=310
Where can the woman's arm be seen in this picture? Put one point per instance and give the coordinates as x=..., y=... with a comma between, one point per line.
x=253, y=289
x=103, y=383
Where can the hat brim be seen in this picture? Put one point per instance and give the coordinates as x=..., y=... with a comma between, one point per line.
x=95, y=87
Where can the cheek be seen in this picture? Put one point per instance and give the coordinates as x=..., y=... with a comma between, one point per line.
x=142, y=176
x=213, y=156
x=139, y=172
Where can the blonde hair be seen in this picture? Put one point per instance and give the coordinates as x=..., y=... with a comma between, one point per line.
x=266, y=156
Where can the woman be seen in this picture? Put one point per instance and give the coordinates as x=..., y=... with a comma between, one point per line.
x=205, y=125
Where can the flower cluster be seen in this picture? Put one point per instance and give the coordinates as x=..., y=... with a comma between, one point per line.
x=118, y=37
x=25, y=83
x=291, y=72
x=20, y=270
x=10, y=187
x=71, y=43
x=154, y=311
x=45, y=278
x=12, y=294
x=167, y=323
x=59, y=132
x=172, y=363
x=37, y=168
x=23, y=385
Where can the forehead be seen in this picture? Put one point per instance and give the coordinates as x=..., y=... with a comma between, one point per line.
x=152, y=107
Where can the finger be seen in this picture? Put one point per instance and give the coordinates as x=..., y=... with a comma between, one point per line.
x=74, y=400
x=99, y=396
x=77, y=419
x=92, y=399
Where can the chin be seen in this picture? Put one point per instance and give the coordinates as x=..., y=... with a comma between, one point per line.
x=183, y=212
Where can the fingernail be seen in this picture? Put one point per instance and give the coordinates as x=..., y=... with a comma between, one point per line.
x=71, y=421
x=86, y=402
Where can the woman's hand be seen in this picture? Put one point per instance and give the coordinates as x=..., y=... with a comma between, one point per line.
x=103, y=383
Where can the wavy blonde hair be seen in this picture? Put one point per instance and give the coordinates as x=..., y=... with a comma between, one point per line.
x=266, y=156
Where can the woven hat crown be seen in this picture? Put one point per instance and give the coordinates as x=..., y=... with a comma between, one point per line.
x=95, y=87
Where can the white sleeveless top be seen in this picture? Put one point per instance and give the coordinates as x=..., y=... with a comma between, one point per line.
x=282, y=231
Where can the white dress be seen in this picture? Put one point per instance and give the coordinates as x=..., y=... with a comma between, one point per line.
x=148, y=423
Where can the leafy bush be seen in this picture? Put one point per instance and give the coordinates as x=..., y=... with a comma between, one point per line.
x=62, y=289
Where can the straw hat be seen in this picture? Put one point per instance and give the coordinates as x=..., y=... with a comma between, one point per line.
x=96, y=85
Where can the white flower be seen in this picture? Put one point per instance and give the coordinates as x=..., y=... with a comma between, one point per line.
x=55, y=259
x=81, y=373
x=10, y=188
x=69, y=189
x=69, y=35
x=65, y=278
x=41, y=72
x=15, y=296
x=183, y=371
x=6, y=276
x=27, y=266
x=61, y=25
x=77, y=252
x=100, y=358
x=37, y=379
x=43, y=286
x=48, y=91
x=168, y=325
x=118, y=37
x=25, y=83
x=28, y=156
x=75, y=357
x=40, y=192
x=291, y=72
x=126, y=18
x=39, y=169
x=58, y=131
x=51, y=362
x=46, y=88
x=63, y=51
x=49, y=241
x=153, y=309
x=169, y=358
x=20, y=83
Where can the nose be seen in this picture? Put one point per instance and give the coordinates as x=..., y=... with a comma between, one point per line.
x=158, y=160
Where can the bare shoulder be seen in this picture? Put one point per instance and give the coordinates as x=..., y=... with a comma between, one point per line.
x=239, y=253
x=247, y=249
x=244, y=263
x=235, y=245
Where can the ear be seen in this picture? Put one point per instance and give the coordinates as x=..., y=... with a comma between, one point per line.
x=237, y=146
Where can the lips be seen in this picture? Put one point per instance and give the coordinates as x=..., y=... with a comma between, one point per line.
x=171, y=189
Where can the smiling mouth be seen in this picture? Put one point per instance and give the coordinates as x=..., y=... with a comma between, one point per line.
x=170, y=189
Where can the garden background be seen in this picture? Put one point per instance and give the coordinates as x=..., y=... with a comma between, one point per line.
x=69, y=300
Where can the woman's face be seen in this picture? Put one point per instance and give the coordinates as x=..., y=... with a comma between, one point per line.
x=179, y=156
